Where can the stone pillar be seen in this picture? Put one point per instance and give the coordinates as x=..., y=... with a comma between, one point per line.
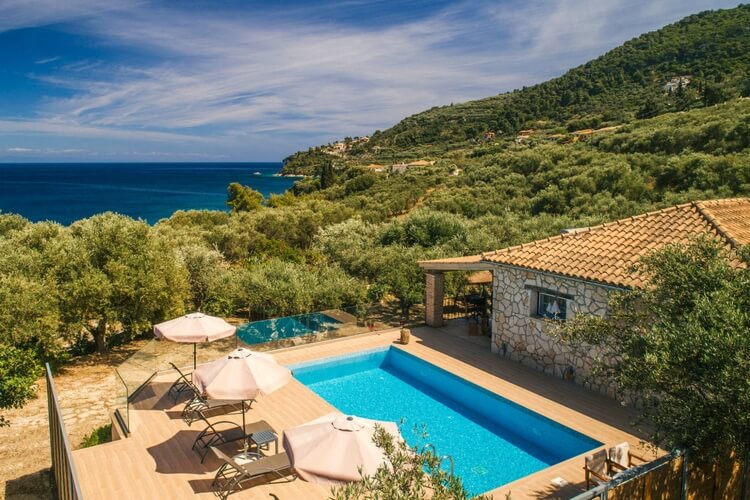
x=433, y=310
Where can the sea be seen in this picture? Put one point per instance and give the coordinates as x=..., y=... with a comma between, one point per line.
x=66, y=192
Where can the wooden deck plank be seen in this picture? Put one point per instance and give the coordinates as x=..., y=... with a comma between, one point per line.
x=156, y=461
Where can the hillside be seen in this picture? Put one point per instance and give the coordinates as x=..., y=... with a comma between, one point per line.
x=701, y=153
x=711, y=49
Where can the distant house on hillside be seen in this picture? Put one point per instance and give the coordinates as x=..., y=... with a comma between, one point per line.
x=523, y=135
x=421, y=163
x=539, y=283
x=400, y=168
x=488, y=136
x=338, y=148
x=582, y=135
x=674, y=83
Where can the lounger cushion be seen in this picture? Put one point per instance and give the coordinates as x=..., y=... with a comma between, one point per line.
x=597, y=462
x=620, y=454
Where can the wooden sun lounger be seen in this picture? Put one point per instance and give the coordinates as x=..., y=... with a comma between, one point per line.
x=601, y=466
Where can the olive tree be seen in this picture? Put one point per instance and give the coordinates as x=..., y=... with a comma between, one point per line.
x=29, y=314
x=276, y=288
x=401, y=276
x=19, y=369
x=118, y=273
x=203, y=266
x=29, y=296
x=243, y=198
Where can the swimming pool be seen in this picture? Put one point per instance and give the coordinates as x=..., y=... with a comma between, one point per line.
x=492, y=440
x=268, y=330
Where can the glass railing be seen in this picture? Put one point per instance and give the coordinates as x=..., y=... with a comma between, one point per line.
x=288, y=331
x=261, y=335
x=122, y=405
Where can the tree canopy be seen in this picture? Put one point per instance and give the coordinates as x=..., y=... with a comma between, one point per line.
x=19, y=370
x=243, y=198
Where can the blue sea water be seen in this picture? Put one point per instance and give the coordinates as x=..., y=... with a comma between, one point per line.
x=267, y=330
x=65, y=192
x=492, y=440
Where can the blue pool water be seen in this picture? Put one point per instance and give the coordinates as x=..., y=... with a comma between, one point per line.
x=268, y=330
x=492, y=440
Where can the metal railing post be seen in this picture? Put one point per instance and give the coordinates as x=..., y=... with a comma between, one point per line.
x=684, y=479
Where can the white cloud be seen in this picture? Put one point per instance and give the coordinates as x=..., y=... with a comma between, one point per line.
x=48, y=60
x=72, y=129
x=17, y=14
x=248, y=82
x=66, y=151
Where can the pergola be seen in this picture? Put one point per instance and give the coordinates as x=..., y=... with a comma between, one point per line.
x=435, y=282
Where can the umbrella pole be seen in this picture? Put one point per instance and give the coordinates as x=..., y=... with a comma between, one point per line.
x=194, y=354
x=246, y=445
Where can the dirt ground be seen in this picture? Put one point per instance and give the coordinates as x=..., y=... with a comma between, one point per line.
x=87, y=389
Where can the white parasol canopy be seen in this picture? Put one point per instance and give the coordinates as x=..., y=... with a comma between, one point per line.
x=241, y=375
x=193, y=328
x=332, y=448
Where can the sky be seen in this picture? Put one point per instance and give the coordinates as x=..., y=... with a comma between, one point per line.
x=231, y=80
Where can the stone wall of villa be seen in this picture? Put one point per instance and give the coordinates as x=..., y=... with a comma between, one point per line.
x=521, y=335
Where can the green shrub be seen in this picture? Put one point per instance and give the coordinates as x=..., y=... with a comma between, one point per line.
x=100, y=435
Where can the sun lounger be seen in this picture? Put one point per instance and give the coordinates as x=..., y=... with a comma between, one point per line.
x=222, y=432
x=181, y=385
x=247, y=466
x=209, y=407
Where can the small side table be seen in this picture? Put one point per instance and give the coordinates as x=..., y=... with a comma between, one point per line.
x=263, y=439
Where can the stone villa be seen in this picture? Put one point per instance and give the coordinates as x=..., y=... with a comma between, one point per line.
x=539, y=283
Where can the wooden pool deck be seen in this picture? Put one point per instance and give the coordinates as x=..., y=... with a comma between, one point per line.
x=156, y=461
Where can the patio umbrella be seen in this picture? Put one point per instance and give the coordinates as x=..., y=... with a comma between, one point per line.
x=330, y=449
x=193, y=328
x=241, y=375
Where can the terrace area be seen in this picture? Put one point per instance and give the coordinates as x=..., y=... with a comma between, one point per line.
x=157, y=461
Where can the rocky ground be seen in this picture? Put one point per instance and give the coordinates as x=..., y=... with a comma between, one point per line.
x=87, y=389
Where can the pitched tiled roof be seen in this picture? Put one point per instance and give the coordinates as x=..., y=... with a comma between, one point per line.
x=606, y=253
x=731, y=218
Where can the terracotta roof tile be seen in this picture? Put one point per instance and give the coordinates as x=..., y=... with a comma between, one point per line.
x=607, y=253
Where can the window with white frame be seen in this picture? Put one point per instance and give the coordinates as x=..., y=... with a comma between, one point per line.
x=551, y=306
